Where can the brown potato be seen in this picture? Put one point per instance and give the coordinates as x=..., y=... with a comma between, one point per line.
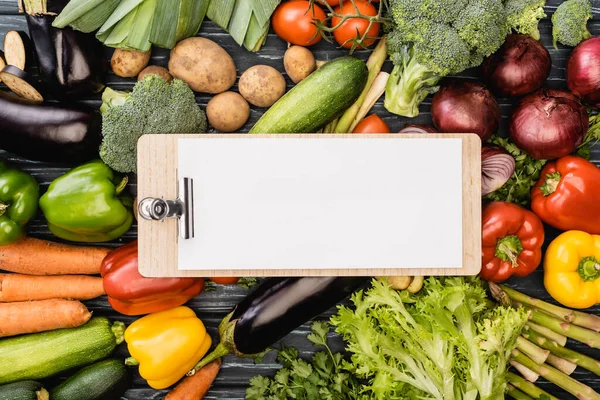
x=155, y=70
x=129, y=63
x=227, y=112
x=299, y=63
x=204, y=65
x=262, y=85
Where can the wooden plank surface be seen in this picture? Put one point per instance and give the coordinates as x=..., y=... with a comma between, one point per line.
x=158, y=252
x=211, y=306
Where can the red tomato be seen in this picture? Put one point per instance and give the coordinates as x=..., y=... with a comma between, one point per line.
x=355, y=27
x=293, y=22
x=225, y=281
x=372, y=124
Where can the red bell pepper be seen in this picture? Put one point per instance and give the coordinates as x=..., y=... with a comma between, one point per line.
x=130, y=293
x=567, y=196
x=512, y=241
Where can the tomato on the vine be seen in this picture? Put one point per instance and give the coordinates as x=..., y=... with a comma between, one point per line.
x=293, y=21
x=225, y=281
x=372, y=124
x=354, y=28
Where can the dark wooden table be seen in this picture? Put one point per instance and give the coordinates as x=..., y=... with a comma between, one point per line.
x=211, y=306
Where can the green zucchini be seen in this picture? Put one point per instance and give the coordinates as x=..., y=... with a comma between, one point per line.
x=104, y=380
x=44, y=354
x=317, y=100
x=26, y=390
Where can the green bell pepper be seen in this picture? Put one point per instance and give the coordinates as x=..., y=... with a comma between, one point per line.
x=87, y=205
x=19, y=194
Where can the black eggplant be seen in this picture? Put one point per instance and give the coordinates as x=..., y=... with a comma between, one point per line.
x=17, y=81
x=274, y=309
x=72, y=64
x=49, y=132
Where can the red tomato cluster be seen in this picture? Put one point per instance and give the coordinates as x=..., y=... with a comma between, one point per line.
x=294, y=22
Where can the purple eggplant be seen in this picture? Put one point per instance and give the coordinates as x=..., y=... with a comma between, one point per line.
x=274, y=309
x=72, y=64
x=66, y=134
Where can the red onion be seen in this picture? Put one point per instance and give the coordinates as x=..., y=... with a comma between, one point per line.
x=416, y=128
x=583, y=71
x=465, y=107
x=497, y=166
x=519, y=67
x=549, y=124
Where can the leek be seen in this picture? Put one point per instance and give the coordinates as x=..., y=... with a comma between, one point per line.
x=139, y=37
x=220, y=11
x=74, y=10
x=91, y=21
x=122, y=12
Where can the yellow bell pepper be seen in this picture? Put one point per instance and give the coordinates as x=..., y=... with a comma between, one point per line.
x=167, y=345
x=572, y=269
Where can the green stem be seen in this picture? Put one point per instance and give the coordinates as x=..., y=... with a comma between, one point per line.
x=589, y=269
x=528, y=387
x=583, y=361
x=131, y=362
x=574, y=332
x=121, y=186
x=508, y=249
x=532, y=350
x=551, y=183
x=35, y=7
x=547, y=333
x=561, y=380
x=575, y=317
x=42, y=394
x=374, y=64
x=516, y=393
x=218, y=352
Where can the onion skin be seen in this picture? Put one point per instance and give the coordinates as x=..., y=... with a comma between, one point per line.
x=583, y=71
x=465, y=107
x=519, y=67
x=549, y=124
x=497, y=166
x=417, y=128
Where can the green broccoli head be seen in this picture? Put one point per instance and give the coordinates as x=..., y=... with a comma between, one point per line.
x=434, y=38
x=569, y=22
x=154, y=106
x=523, y=16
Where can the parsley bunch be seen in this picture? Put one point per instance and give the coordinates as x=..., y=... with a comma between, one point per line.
x=323, y=377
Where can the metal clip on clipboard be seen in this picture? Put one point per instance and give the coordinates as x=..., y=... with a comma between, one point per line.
x=154, y=209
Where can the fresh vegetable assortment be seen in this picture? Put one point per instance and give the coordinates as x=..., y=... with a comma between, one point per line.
x=405, y=337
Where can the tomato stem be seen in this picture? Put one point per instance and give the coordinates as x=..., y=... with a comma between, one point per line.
x=508, y=249
x=3, y=208
x=551, y=183
x=589, y=269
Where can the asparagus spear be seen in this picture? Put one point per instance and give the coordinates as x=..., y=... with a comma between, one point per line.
x=577, y=389
x=561, y=364
x=570, y=355
x=532, y=350
x=528, y=387
x=559, y=339
x=528, y=374
x=579, y=318
x=516, y=393
x=575, y=332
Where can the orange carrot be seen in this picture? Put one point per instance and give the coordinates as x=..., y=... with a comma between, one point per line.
x=42, y=315
x=17, y=287
x=40, y=257
x=196, y=386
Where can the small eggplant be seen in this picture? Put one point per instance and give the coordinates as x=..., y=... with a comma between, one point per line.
x=71, y=63
x=274, y=309
x=49, y=132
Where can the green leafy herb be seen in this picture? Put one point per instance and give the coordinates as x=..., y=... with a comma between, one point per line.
x=593, y=136
x=527, y=172
x=247, y=282
x=323, y=377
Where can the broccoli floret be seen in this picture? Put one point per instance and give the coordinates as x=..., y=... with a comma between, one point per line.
x=433, y=38
x=523, y=16
x=154, y=106
x=569, y=22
